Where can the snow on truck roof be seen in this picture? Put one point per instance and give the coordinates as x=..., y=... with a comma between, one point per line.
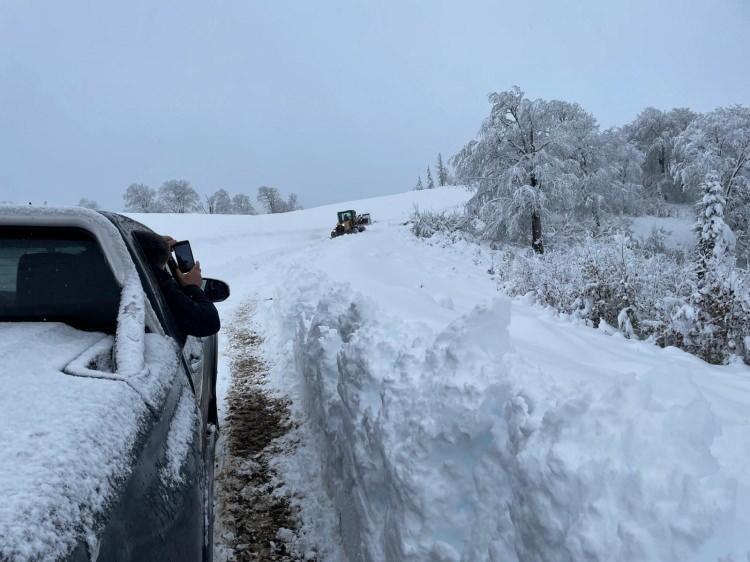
x=103, y=230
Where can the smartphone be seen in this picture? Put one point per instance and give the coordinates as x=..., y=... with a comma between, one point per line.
x=184, y=255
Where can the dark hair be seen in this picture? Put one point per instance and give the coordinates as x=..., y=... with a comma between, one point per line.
x=154, y=247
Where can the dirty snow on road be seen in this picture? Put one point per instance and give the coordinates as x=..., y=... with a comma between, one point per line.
x=253, y=522
x=435, y=419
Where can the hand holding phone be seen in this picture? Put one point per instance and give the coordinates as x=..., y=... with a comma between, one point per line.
x=192, y=277
x=184, y=255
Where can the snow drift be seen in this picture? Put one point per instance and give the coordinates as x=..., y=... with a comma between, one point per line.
x=451, y=446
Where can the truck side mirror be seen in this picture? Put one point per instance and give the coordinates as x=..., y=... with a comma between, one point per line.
x=216, y=291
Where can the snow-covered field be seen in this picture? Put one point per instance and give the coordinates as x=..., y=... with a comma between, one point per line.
x=443, y=421
x=678, y=229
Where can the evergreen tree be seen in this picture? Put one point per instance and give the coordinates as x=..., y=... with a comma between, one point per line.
x=717, y=314
x=271, y=200
x=430, y=181
x=442, y=172
x=419, y=186
x=715, y=239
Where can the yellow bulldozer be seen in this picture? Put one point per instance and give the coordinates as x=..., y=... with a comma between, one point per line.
x=349, y=222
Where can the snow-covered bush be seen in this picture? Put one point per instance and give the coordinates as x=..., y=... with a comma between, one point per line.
x=644, y=294
x=610, y=278
x=639, y=286
x=425, y=224
x=714, y=322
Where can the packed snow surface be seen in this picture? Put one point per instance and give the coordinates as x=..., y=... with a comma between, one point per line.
x=444, y=421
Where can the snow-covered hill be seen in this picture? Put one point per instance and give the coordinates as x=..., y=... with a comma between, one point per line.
x=440, y=420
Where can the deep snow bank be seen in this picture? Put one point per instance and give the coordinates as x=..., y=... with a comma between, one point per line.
x=452, y=446
x=446, y=427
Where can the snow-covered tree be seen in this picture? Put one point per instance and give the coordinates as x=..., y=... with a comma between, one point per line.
x=420, y=185
x=430, y=181
x=714, y=322
x=88, y=203
x=271, y=200
x=219, y=203
x=209, y=206
x=140, y=198
x=654, y=132
x=292, y=203
x=719, y=142
x=527, y=160
x=442, y=171
x=178, y=196
x=242, y=205
x=615, y=184
x=715, y=240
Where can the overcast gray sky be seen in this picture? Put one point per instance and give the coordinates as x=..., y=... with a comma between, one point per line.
x=331, y=99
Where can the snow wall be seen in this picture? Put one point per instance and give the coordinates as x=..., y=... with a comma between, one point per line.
x=449, y=446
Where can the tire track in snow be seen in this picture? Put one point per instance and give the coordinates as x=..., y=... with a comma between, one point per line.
x=253, y=522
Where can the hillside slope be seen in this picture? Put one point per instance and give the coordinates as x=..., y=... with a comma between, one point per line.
x=439, y=420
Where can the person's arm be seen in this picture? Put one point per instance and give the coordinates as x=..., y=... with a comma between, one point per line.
x=199, y=316
x=193, y=312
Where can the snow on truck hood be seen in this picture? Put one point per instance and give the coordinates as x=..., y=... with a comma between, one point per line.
x=65, y=441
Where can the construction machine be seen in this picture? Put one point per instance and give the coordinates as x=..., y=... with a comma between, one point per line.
x=349, y=223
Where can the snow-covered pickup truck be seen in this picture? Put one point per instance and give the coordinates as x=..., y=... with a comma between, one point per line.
x=108, y=425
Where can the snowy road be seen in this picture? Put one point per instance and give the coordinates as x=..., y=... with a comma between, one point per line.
x=440, y=421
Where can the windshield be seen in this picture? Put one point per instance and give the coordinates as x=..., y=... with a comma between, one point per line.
x=56, y=274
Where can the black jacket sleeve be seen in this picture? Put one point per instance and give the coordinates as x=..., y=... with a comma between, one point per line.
x=194, y=313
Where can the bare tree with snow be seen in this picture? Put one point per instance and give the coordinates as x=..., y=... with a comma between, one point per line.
x=654, y=133
x=178, y=196
x=140, y=198
x=242, y=205
x=292, y=203
x=219, y=203
x=271, y=200
x=528, y=158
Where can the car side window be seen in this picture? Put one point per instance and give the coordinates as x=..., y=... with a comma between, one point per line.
x=128, y=227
